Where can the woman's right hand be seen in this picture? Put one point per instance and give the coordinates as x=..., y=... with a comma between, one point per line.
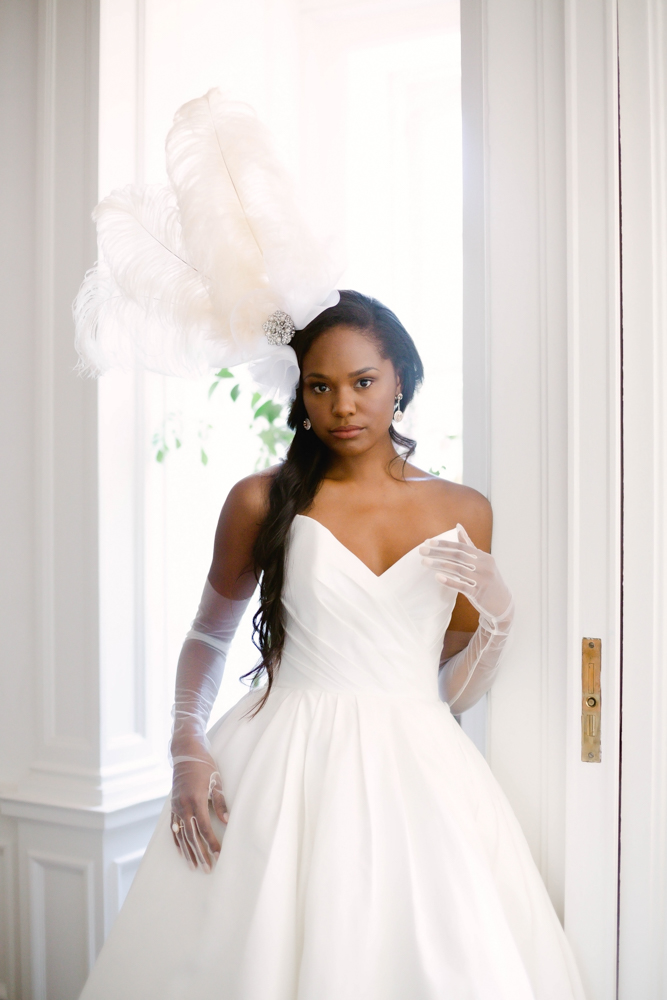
x=196, y=782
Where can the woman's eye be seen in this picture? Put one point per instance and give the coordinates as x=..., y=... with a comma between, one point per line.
x=365, y=382
x=320, y=388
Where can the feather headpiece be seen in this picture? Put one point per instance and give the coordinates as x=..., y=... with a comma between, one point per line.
x=216, y=268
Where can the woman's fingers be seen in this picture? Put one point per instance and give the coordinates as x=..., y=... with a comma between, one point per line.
x=219, y=805
x=197, y=844
x=453, y=569
x=195, y=838
x=217, y=798
x=184, y=847
x=464, y=534
x=446, y=560
x=443, y=544
x=456, y=583
x=206, y=832
x=467, y=559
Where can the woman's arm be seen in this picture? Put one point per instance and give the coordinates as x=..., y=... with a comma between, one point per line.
x=474, y=512
x=232, y=572
x=470, y=658
x=227, y=592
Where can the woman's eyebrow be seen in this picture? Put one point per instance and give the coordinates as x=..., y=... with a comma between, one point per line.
x=359, y=371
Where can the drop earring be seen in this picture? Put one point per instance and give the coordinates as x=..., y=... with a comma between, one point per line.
x=307, y=424
x=398, y=412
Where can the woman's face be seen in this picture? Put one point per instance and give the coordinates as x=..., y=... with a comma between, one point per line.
x=348, y=390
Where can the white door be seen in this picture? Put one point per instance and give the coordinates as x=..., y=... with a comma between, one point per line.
x=542, y=424
x=643, y=131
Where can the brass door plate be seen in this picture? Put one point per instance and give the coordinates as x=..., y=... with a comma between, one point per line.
x=591, y=657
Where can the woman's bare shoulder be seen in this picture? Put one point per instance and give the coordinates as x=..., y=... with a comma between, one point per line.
x=232, y=570
x=471, y=509
x=248, y=500
x=461, y=504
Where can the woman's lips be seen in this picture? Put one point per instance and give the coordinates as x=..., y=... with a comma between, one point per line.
x=348, y=431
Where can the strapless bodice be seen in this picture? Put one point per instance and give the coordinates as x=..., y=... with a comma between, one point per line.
x=349, y=630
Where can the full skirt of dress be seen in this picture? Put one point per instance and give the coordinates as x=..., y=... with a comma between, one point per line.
x=370, y=853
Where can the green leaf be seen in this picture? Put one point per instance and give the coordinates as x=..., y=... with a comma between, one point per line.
x=212, y=387
x=269, y=410
x=273, y=436
x=178, y=442
x=224, y=373
x=204, y=457
x=256, y=396
x=159, y=456
x=235, y=392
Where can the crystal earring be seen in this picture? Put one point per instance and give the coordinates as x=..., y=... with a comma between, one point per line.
x=307, y=424
x=398, y=412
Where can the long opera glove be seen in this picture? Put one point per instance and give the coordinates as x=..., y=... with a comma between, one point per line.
x=465, y=677
x=196, y=778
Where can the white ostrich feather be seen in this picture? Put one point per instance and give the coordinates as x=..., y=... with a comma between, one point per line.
x=143, y=304
x=241, y=221
x=188, y=273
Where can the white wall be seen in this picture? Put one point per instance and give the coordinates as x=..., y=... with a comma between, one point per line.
x=69, y=813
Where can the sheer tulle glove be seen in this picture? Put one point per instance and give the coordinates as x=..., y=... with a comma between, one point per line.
x=461, y=565
x=196, y=779
x=467, y=676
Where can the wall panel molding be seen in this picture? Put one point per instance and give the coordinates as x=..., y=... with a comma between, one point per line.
x=125, y=867
x=62, y=923
x=8, y=922
x=66, y=421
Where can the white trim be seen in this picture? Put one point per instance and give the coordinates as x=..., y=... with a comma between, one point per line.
x=45, y=335
x=476, y=415
x=125, y=867
x=8, y=904
x=476, y=409
x=38, y=862
x=594, y=481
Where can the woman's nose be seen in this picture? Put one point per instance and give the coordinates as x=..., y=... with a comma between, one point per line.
x=343, y=403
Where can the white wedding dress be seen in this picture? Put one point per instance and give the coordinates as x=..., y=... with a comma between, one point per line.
x=370, y=853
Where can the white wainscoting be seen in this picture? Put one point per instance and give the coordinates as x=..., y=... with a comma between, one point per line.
x=7, y=920
x=64, y=873
x=62, y=924
x=124, y=870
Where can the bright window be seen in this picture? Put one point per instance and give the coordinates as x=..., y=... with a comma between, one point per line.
x=365, y=101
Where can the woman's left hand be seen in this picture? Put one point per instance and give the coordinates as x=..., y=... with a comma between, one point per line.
x=471, y=571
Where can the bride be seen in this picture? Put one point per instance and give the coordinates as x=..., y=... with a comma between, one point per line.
x=336, y=836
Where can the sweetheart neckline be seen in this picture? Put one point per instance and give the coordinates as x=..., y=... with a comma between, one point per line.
x=378, y=576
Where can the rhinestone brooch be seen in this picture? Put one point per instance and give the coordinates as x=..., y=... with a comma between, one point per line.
x=279, y=328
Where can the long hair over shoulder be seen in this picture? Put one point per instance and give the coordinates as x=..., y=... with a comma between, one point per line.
x=298, y=478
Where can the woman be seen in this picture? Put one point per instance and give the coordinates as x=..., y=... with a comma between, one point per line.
x=336, y=836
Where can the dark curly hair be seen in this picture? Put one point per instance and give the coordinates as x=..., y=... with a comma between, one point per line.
x=298, y=478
